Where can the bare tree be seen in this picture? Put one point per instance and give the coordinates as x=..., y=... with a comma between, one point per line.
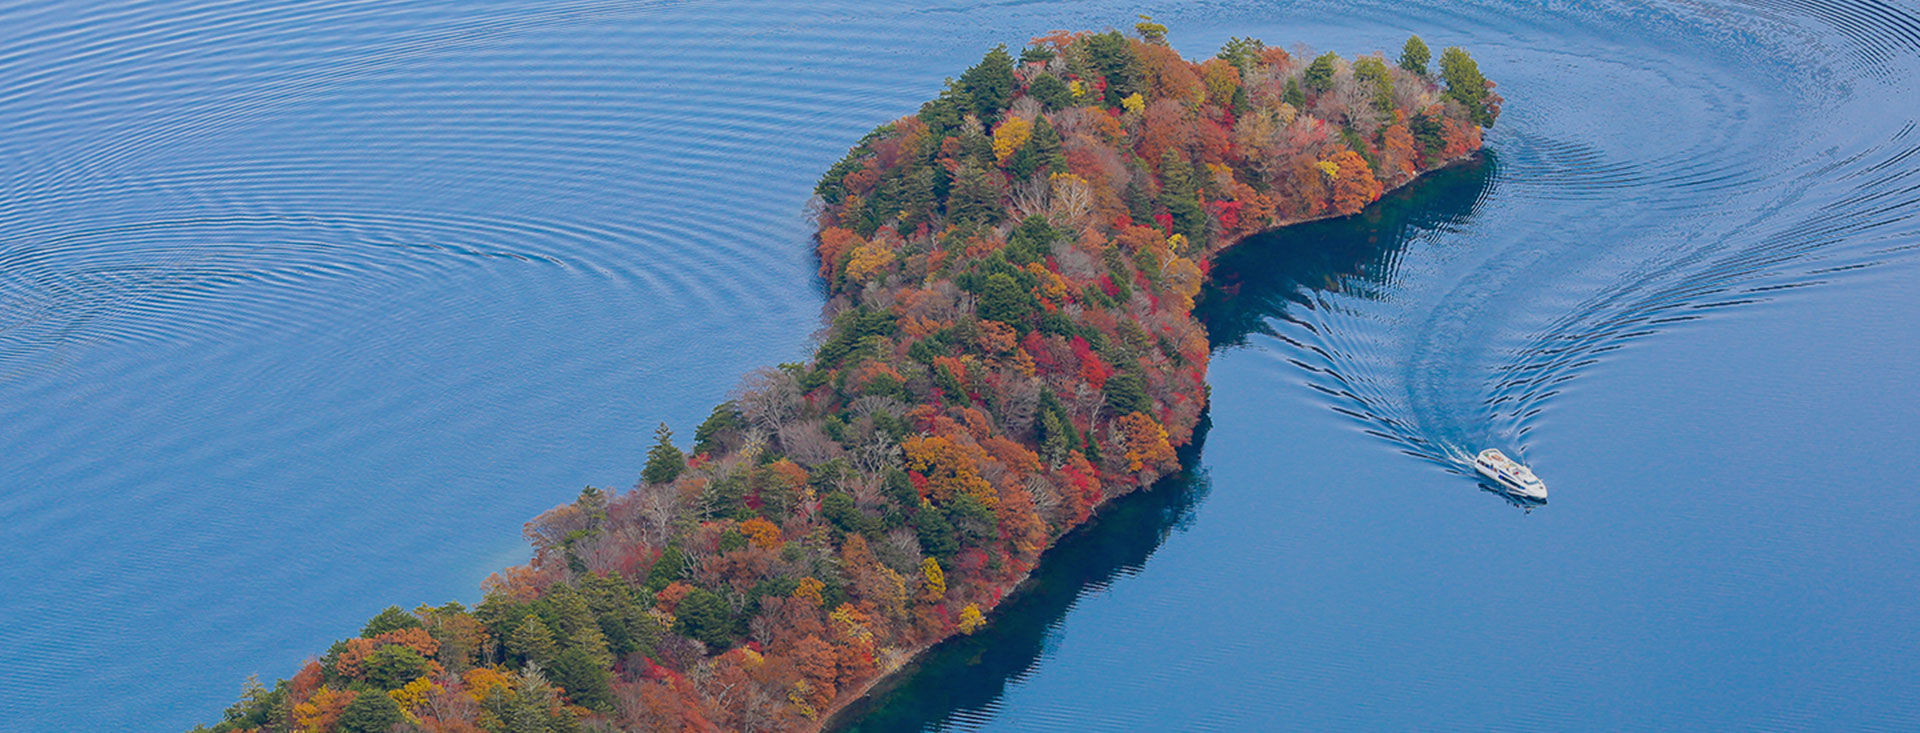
x=760, y=627
x=1046, y=499
x=1075, y=263
x=769, y=398
x=900, y=550
x=870, y=405
x=865, y=489
x=1031, y=197
x=1027, y=108
x=1019, y=403
x=659, y=505
x=1072, y=202
x=806, y=443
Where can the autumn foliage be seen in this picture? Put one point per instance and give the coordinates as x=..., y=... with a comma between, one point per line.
x=1010, y=344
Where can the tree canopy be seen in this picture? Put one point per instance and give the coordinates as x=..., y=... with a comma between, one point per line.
x=1008, y=343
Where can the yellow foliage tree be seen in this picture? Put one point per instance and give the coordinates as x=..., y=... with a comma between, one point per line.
x=1009, y=136
x=1222, y=79
x=761, y=532
x=1134, y=103
x=1146, y=441
x=1183, y=278
x=809, y=590
x=484, y=681
x=851, y=621
x=1051, y=284
x=970, y=619
x=933, y=585
x=320, y=712
x=836, y=242
x=413, y=695
x=952, y=467
x=867, y=259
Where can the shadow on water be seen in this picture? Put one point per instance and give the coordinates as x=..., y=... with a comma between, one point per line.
x=969, y=673
x=1256, y=281
x=1267, y=284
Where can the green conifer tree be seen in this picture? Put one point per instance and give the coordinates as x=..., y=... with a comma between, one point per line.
x=391, y=619
x=579, y=630
x=1414, y=56
x=989, y=84
x=1319, y=74
x=371, y=712
x=975, y=197
x=1465, y=84
x=533, y=642
x=664, y=461
x=1293, y=95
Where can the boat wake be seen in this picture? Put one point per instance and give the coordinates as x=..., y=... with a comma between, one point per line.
x=1475, y=313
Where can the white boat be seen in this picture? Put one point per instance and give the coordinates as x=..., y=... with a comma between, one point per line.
x=1508, y=474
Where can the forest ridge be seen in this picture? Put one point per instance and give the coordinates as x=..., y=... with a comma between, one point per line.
x=1011, y=275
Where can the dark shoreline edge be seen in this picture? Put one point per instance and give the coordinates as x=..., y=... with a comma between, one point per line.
x=845, y=716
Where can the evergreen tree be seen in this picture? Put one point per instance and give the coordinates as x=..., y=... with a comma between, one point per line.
x=529, y=707
x=587, y=681
x=935, y=532
x=704, y=616
x=1414, y=56
x=664, y=461
x=1127, y=393
x=975, y=197
x=1050, y=91
x=391, y=619
x=1139, y=203
x=579, y=630
x=1042, y=152
x=1372, y=72
x=258, y=707
x=941, y=114
x=671, y=565
x=1150, y=31
x=394, y=665
x=371, y=712
x=1242, y=52
x=719, y=426
x=1465, y=84
x=1429, y=133
x=533, y=642
x=1111, y=56
x=1319, y=74
x=624, y=622
x=1180, y=194
x=1293, y=95
x=1057, y=437
x=1004, y=300
x=989, y=84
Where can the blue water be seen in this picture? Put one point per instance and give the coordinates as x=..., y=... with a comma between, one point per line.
x=305, y=307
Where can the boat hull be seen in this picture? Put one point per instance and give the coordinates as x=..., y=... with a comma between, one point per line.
x=1509, y=485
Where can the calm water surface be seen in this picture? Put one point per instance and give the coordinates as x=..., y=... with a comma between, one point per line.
x=305, y=307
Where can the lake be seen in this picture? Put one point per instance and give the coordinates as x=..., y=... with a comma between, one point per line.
x=305, y=308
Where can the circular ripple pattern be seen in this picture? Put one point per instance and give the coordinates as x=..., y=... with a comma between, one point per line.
x=1659, y=164
x=305, y=305
x=1595, y=233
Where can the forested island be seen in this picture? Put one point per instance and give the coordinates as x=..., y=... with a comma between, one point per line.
x=1010, y=275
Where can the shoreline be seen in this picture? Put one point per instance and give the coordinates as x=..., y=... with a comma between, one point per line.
x=842, y=715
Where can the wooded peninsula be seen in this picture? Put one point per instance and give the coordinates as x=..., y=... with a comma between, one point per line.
x=1010, y=277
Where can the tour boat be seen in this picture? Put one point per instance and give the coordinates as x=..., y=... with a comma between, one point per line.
x=1509, y=474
